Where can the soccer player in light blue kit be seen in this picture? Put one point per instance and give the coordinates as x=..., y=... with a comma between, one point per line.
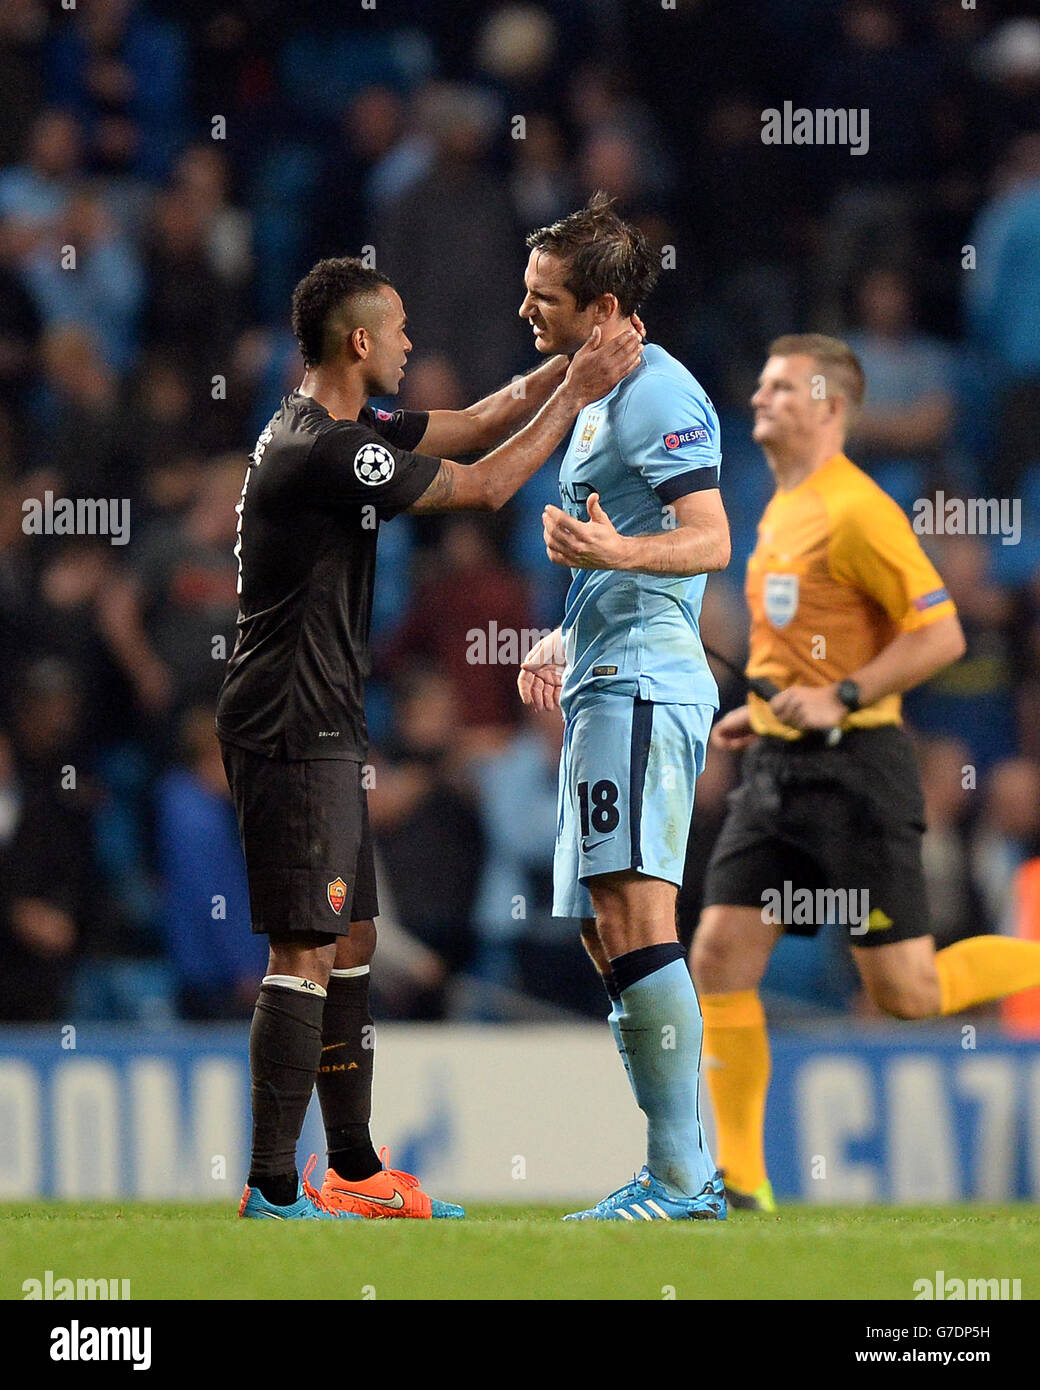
x=641, y=526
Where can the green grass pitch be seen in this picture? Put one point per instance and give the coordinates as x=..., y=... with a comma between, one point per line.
x=204, y=1252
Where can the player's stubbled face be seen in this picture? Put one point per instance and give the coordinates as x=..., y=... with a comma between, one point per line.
x=786, y=408
x=385, y=365
x=557, y=325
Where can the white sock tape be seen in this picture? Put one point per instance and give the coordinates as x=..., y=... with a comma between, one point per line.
x=353, y=970
x=295, y=982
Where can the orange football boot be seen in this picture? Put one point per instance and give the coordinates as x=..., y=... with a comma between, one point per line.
x=387, y=1193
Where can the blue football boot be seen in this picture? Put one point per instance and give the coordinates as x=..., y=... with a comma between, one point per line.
x=308, y=1206
x=646, y=1199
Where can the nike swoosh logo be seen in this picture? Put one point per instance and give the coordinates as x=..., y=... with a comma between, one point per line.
x=395, y=1203
x=331, y=1046
x=586, y=847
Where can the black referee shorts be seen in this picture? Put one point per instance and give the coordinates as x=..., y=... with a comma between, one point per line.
x=807, y=820
x=308, y=847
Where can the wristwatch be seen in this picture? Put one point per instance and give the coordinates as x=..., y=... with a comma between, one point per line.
x=848, y=693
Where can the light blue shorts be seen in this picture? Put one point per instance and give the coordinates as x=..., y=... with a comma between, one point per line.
x=627, y=774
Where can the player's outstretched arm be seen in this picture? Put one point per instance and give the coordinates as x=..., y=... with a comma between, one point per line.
x=697, y=544
x=485, y=486
x=487, y=422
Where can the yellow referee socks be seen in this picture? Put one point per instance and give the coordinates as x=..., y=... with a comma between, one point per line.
x=736, y=1060
x=983, y=968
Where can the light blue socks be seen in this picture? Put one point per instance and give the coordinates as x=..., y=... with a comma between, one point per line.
x=658, y=1028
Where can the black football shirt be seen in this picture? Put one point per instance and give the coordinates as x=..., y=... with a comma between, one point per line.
x=315, y=491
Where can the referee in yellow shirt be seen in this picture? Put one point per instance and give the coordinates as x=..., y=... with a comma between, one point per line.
x=846, y=613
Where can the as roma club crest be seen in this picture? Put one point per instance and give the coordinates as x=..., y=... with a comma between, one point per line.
x=337, y=895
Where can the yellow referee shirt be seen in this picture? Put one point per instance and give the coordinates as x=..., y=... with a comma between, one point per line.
x=836, y=574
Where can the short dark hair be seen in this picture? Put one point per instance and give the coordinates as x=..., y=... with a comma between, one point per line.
x=604, y=254
x=327, y=287
x=835, y=360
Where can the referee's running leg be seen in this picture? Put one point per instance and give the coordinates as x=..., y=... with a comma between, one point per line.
x=811, y=819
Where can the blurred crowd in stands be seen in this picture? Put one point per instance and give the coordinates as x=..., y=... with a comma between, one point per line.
x=169, y=169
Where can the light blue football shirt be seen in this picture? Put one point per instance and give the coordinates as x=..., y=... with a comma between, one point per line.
x=650, y=441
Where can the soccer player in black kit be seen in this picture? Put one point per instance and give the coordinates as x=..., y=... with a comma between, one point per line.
x=290, y=716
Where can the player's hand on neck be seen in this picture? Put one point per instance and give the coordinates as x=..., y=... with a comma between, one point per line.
x=619, y=323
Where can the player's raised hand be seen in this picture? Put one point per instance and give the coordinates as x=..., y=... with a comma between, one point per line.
x=597, y=367
x=595, y=544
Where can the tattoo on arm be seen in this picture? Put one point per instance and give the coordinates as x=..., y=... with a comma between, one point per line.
x=438, y=496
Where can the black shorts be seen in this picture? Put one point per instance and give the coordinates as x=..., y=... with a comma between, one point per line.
x=808, y=820
x=308, y=847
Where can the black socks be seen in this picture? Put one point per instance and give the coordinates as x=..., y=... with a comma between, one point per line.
x=345, y=1076
x=284, y=1052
